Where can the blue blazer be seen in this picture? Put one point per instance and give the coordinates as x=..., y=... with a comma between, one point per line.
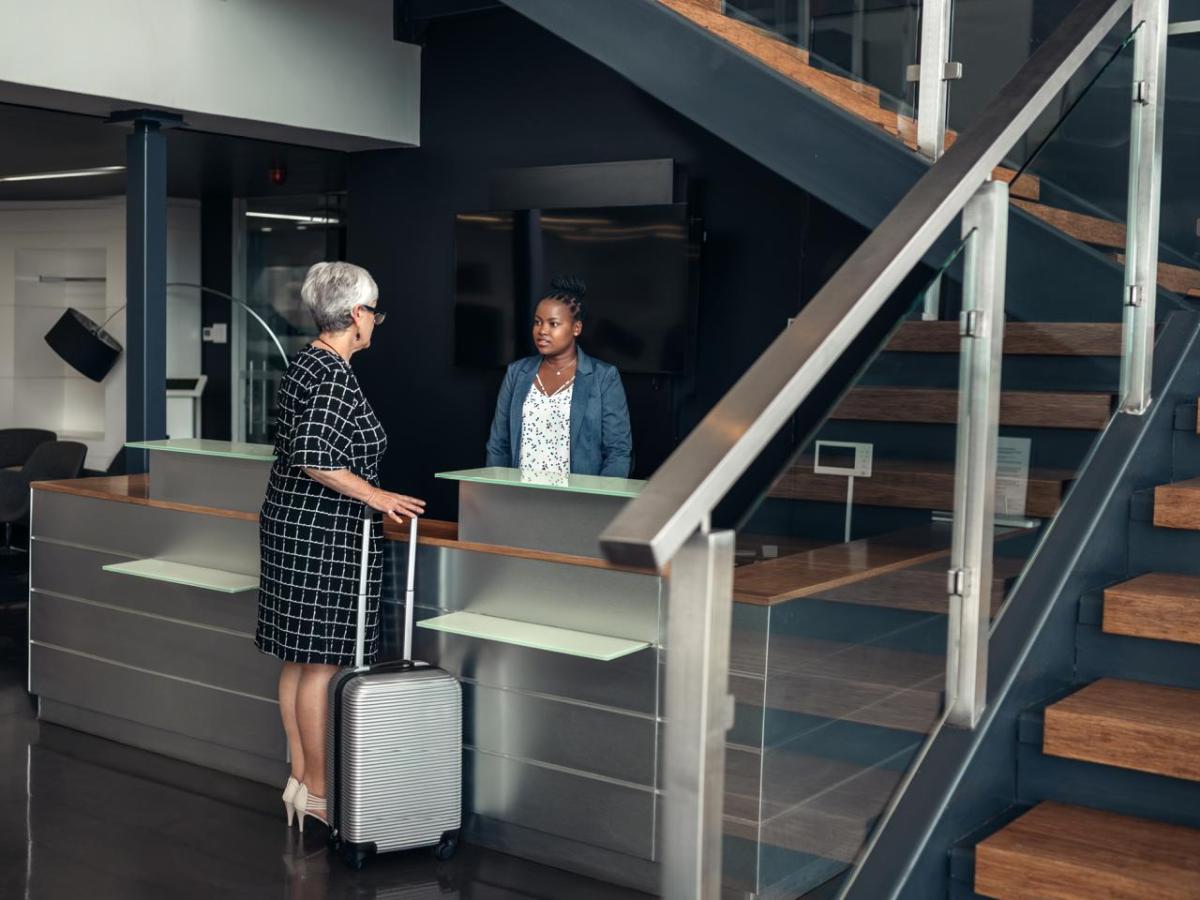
x=601, y=443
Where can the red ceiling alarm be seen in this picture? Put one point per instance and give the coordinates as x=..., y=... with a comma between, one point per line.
x=277, y=173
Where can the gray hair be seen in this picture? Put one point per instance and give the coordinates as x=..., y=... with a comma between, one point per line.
x=331, y=291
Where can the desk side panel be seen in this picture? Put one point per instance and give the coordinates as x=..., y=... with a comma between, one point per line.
x=514, y=516
x=238, y=721
x=137, y=532
x=206, y=656
x=166, y=667
x=77, y=572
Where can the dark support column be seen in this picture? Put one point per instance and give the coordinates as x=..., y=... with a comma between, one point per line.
x=216, y=271
x=145, y=279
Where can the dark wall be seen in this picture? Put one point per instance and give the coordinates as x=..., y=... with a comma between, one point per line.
x=216, y=272
x=497, y=93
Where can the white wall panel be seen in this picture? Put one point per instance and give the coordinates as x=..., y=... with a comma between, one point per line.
x=303, y=71
x=82, y=239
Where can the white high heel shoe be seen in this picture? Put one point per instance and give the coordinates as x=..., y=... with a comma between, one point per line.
x=289, y=798
x=310, y=805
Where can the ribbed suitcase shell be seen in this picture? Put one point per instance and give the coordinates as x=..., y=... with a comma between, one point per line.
x=400, y=756
x=394, y=744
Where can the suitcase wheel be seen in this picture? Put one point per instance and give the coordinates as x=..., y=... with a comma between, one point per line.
x=447, y=846
x=354, y=855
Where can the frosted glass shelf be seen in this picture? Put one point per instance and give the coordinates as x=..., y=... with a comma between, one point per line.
x=201, y=447
x=574, y=484
x=539, y=637
x=181, y=573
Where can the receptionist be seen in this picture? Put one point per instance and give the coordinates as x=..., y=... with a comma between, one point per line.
x=561, y=411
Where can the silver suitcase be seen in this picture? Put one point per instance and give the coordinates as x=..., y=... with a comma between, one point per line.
x=394, y=751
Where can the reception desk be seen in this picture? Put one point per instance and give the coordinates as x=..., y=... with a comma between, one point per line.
x=143, y=608
x=559, y=655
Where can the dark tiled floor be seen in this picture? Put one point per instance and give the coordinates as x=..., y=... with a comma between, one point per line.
x=87, y=819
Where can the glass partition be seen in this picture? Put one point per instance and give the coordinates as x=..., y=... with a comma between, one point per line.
x=838, y=637
x=1062, y=369
x=843, y=595
x=284, y=236
x=868, y=43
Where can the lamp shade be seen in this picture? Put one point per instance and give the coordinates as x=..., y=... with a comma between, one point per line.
x=83, y=345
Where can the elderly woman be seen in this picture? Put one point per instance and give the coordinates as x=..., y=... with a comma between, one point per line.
x=325, y=479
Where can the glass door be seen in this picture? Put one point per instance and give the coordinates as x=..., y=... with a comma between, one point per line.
x=282, y=238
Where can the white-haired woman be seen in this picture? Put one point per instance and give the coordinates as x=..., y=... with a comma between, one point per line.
x=324, y=480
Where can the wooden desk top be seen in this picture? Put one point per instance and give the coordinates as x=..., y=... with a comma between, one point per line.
x=797, y=574
x=135, y=489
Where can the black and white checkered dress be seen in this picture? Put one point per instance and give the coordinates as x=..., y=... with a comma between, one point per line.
x=311, y=536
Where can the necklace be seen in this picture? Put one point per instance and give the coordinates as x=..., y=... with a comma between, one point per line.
x=558, y=372
x=562, y=387
x=331, y=347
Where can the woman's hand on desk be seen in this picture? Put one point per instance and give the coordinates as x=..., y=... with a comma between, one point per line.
x=396, y=506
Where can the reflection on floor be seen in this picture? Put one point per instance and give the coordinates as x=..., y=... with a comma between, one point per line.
x=82, y=817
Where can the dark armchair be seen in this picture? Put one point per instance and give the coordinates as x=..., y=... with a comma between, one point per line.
x=50, y=461
x=16, y=444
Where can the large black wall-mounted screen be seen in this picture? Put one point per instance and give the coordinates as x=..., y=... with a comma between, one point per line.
x=639, y=263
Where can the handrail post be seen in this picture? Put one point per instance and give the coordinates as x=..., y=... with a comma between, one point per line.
x=933, y=70
x=985, y=228
x=1145, y=194
x=698, y=712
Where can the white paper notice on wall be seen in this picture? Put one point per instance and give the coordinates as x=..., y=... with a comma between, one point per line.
x=1012, y=475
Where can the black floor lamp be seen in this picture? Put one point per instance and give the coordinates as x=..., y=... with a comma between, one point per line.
x=91, y=351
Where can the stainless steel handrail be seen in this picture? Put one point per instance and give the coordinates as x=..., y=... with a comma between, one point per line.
x=706, y=465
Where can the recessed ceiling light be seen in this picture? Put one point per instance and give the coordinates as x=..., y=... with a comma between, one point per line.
x=71, y=173
x=265, y=228
x=288, y=217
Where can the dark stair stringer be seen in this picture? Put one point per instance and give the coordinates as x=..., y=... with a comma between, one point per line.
x=845, y=162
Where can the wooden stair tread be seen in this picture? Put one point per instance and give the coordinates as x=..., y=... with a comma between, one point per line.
x=1129, y=724
x=1020, y=338
x=1159, y=606
x=1027, y=187
x=863, y=100
x=1081, y=226
x=1177, y=505
x=846, y=92
x=789, y=61
x=807, y=574
x=1180, y=279
x=1062, y=852
x=910, y=484
x=1087, y=410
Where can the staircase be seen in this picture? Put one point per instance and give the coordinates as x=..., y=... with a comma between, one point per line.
x=865, y=103
x=838, y=649
x=903, y=421
x=1113, y=768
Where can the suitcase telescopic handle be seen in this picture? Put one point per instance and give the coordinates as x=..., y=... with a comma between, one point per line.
x=410, y=587
x=364, y=568
x=364, y=571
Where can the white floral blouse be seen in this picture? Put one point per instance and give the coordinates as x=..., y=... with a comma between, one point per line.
x=546, y=431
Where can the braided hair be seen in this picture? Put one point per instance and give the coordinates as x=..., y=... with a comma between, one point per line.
x=570, y=291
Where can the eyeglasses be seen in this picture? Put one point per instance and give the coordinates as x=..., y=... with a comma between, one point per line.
x=379, y=316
